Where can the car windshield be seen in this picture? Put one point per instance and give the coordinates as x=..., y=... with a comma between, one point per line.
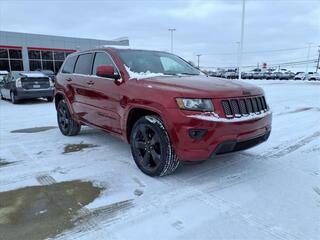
x=140, y=61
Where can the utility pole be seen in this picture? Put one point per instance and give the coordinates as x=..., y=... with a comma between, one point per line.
x=308, y=57
x=238, y=56
x=318, y=62
x=198, y=55
x=172, y=30
x=242, y=36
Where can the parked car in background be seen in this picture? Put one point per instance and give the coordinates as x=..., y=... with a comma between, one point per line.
x=49, y=73
x=164, y=107
x=300, y=76
x=3, y=75
x=312, y=76
x=230, y=74
x=257, y=75
x=248, y=75
x=26, y=85
x=270, y=75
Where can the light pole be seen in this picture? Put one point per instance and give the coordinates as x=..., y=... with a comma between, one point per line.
x=318, y=62
x=198, y=55
x=238, y=55
x=242, y=36
x=172, y=30
x=308, y=57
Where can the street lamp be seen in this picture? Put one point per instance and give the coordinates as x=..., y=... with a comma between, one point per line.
x=172, y=30
x=242, y=35
x=308, y=57
x=198, y=55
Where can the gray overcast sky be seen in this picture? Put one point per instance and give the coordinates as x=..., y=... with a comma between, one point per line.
x=211, y=28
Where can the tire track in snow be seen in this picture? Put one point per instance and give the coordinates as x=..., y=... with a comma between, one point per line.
x=296, y=146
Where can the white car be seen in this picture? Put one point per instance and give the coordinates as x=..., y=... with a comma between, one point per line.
x=3, y=75
x=300, y=76
x=313, y=77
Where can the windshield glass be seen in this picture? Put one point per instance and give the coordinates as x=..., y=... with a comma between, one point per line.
x=140, y=61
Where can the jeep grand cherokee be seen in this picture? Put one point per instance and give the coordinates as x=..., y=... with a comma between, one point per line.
x=165, y=108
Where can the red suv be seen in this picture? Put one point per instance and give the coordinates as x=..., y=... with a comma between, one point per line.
x=165, y=108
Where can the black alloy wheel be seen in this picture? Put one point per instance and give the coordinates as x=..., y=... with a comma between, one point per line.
x=67, y=125
x=151, y=147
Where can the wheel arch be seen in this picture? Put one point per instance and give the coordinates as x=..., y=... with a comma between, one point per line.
x=134, y=114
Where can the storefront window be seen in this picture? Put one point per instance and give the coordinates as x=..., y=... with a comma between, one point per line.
x=46, y=59
x=47, y=55
x=34, y=54
x=35, y=65
x=11, y=59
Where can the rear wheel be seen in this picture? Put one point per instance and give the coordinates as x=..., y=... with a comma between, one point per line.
x=13, y=98
x=50, y=99
x=151, y=147
x=67, y=125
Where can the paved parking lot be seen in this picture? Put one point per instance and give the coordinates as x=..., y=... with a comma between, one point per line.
x=88, y=187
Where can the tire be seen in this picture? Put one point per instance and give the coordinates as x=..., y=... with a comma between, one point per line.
x=67, y=125
x=13, y=98
x=151, y=147
x=50, y=99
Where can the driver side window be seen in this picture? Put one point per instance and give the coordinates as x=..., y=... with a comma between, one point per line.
x=102, y=59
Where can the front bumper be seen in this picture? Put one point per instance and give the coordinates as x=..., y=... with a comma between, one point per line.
x=236, y=133
x=34, y=93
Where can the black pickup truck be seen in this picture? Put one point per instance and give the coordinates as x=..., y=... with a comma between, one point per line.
x=26, y=85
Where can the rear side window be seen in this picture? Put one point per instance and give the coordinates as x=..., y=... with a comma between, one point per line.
x=83, y=65
x=101, y=59
x=69, y=65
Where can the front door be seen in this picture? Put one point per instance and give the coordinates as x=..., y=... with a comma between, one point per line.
x=105, y=96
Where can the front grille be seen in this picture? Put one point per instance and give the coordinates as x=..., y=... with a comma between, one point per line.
x=244, y=106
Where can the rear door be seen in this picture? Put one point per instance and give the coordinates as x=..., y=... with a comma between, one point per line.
x=82, y=84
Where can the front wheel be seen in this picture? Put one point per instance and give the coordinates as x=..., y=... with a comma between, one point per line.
x=67, y=125
x=151, y=148
x=13, y=98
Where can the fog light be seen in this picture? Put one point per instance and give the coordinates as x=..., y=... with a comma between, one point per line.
x=197, y=133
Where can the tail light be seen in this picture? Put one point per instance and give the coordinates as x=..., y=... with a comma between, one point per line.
x=18, y=83
x=51, y=82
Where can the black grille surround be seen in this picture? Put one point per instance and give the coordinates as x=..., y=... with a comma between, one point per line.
x=242, y=107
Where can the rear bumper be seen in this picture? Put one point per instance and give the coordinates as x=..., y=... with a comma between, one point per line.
x=221, y=136
x=34, y=93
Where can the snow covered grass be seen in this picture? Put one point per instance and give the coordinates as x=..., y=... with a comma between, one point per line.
x=268, y=192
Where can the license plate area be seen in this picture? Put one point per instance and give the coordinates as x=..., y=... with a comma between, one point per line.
x=36, y=86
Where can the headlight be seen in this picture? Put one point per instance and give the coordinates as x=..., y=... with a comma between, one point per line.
x=204, y=105
x=18, y=83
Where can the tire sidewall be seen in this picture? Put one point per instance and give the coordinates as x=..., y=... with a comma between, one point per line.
x=166, y=148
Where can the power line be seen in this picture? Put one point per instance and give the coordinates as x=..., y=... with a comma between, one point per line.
x=261, y=51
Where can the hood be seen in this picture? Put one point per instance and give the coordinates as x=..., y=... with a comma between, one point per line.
x=202, y=86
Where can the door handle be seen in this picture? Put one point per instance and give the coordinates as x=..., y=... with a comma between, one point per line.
x=68, y=79
x=90, y=83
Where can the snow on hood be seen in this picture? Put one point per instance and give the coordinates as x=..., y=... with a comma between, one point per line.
x=142, y=75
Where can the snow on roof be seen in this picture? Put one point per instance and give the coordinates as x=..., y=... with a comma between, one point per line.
x=142, y=75
x=32, y=74
x=3, y=72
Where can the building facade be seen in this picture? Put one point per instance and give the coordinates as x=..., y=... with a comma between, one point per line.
x=29, y=52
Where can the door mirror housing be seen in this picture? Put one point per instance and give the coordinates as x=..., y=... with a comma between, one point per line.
x=107, y=71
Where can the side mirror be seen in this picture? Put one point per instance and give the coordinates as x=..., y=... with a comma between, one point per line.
x=107, y=71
